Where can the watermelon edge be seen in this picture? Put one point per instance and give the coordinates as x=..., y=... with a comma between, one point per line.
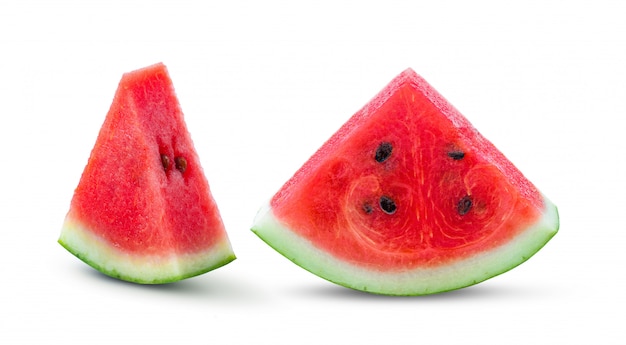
x=419, y=281
x=142, y=269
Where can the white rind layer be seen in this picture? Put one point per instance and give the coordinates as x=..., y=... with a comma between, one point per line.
x=419, y=281
x=144, y=269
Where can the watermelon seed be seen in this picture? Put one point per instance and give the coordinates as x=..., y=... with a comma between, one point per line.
x=456, y=155
x=181, y=164
x=464, y=205
x=387, y=205
x=383, y=152
x=367, y=208
x=165, y=160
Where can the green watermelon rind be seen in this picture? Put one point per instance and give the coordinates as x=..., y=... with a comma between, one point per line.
x=418, y=281
x=142, y=269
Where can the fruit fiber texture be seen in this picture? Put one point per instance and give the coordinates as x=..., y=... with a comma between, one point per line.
x=407, y=198
x=143, y=210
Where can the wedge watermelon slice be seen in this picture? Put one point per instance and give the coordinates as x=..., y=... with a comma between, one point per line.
x=407, y=198
x=143, y=210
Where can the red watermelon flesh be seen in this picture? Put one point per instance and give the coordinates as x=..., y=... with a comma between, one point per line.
x=407, y=198
x=143, y=210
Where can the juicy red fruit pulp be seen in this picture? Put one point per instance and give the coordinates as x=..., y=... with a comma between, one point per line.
x=410, y=188
x=154, y=198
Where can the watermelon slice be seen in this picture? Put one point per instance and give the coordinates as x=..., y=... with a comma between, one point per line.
x=143, y=210
x=407, y=198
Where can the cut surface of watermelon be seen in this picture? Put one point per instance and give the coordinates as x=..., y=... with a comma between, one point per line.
x=407, y=198
x=143, y=210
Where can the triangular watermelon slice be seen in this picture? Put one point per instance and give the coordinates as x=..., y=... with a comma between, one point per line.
x=407, y=198
x=143, y=210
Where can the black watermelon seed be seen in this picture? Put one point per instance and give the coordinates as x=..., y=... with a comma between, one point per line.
x=456, y=155
x=383, y=152
x=464, y=205
x=367, y=208
x=165, y=160
x=181, y=164
x=387, y=205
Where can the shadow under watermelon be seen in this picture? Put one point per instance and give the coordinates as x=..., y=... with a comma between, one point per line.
x=207, y=285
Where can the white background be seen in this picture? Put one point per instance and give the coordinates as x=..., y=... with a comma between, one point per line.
x=263, y=84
